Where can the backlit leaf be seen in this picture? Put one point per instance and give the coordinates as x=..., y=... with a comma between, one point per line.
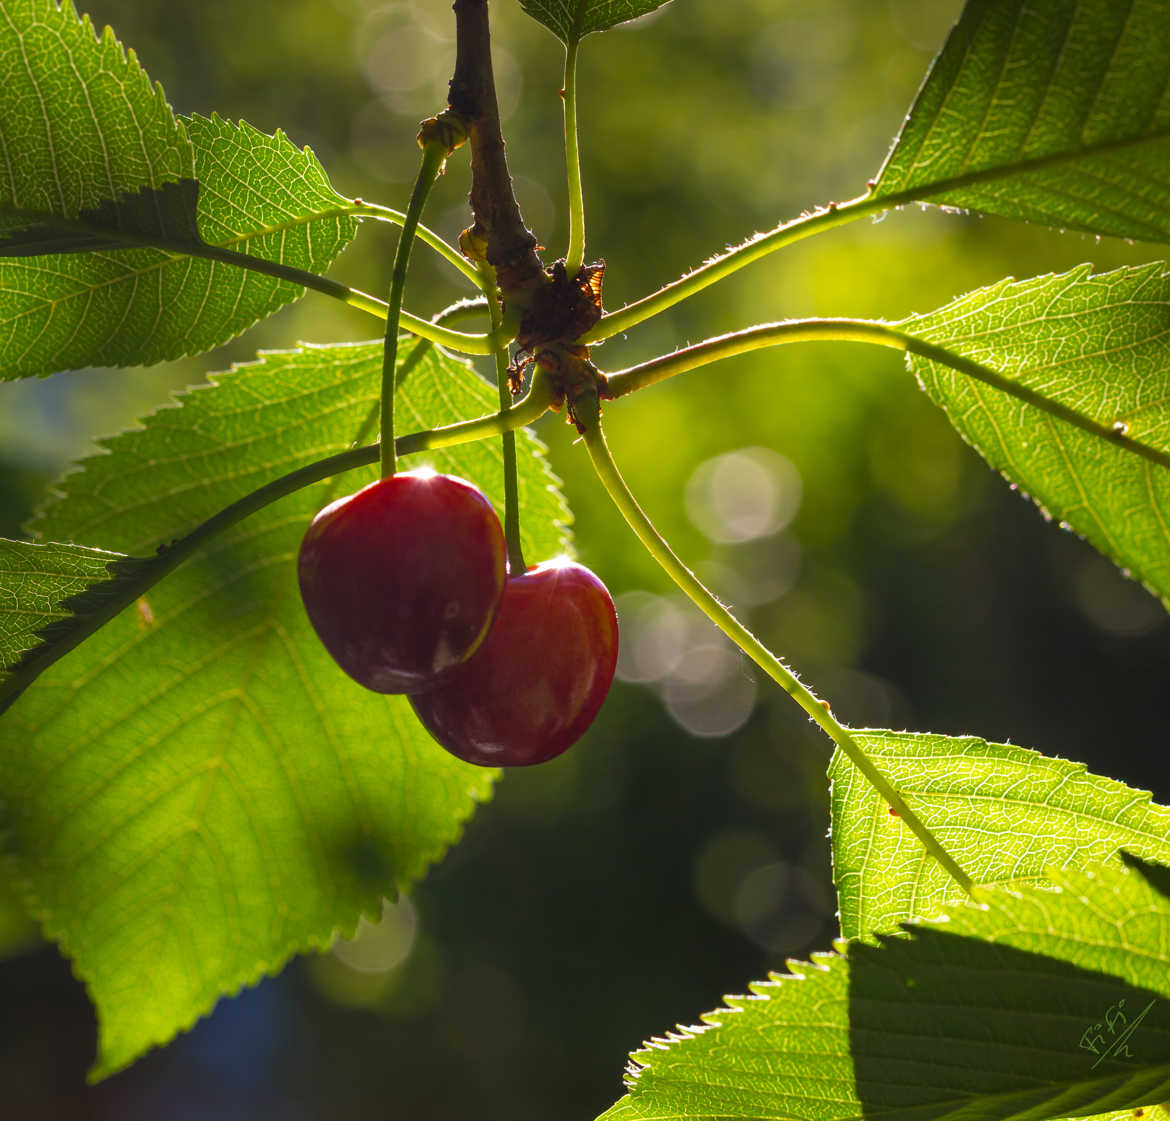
x=1040, y=1003
x=92, y=160
x=1053, y=111
x=1091, y=443
x=35, y=580
x=1006, y=814
x=197, y=791
x=80, y=123
x=570, y=20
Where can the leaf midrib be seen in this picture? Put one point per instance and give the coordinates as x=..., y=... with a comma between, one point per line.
x=1020, y=167
x=1158, y=839
x=175, y=251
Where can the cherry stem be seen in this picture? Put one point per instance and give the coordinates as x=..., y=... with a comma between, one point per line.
x=132, y=577
x=575, y=253
x=458, y=310
x=697, y=592
x=434, y=155
x=874, y=333
x=516, y=563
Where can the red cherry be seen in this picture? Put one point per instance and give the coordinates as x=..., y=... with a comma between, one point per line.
x=537, y=682
x=402, y=580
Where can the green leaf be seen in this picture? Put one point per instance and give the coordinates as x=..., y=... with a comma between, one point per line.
x=197, y=792
x=571, y=20
x=80, y=124
x=1043, y=813
x=35, y=582
x=57, y=596
x=1016, y=1009
x=256, y=194
x=1091, y=444
x=150, y=215
x=93, y=160
x=1052, y=111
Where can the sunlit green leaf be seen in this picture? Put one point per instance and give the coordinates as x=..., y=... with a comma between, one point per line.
x=570, y=20
x=1097, y=348
x=80, y=123
x=255, y=194
x=1053, y=111
x=197, y=791
x=1048, y=1002
x=1005, y=813
x=34, y=581
x=93, y=160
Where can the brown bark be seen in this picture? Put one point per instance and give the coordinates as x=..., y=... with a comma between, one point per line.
x=507, y=244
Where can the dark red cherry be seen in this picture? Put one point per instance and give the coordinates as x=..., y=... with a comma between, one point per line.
x=402, y=580
x=537, y=682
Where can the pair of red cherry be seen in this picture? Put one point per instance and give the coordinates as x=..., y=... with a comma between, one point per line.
x=406, y=584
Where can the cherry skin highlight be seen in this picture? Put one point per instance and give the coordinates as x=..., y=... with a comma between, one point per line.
x=403, y=579
x=539, y=679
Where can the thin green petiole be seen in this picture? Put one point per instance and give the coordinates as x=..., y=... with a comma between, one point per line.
x=457, y=340
x=434, y=155
x=371, y=305
x=874, y=333
x=827, y=218
x=516, y=563
x=423, y=328
x=832, y=216
x=445, y=249
x=694, y=589
x=575, y=254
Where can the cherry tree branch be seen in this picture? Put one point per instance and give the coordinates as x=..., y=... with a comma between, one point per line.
x=507, y=244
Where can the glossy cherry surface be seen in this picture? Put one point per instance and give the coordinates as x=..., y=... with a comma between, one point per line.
x=402, y=580
x=537, y=682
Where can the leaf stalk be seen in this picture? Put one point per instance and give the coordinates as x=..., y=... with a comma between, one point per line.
x=875, y=333
x=827, y=218
x=697, y=592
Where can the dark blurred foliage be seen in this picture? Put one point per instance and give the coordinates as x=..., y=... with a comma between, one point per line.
x=625, y=887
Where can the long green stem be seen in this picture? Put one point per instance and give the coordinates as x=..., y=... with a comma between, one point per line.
x=132, y=577
x=694, y=589
x=432, y=163
x=575, y=254
x=875, y=334
x=423, y=328
x=751, y=250
x=508, y=439
x=457, y=340
x=428, y=236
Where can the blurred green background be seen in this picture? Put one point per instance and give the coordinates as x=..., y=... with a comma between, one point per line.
x=680, y=851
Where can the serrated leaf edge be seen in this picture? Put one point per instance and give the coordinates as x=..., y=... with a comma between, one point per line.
x=477, y=794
